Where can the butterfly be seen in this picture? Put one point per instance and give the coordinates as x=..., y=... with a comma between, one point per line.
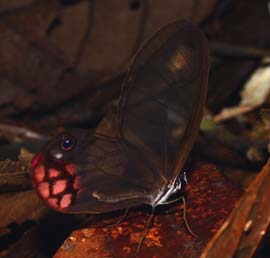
x=157, y=120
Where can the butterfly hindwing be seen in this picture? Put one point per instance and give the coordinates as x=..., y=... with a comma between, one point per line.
x=106, y=178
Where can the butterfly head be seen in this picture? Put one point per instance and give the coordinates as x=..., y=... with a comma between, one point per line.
x=54, y=174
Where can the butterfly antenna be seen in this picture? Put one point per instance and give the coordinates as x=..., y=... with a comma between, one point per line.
x=185, y=218
x=145, y=232
x=120, y=220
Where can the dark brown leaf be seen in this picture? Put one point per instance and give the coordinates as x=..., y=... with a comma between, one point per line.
x=19, y=207
x=242, y=232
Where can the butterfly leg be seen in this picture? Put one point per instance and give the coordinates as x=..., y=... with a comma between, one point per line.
x=185, y=218
x=145, y=232
x=120, y=219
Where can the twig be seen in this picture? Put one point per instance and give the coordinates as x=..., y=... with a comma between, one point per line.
x=86, y=36
x=15, y=131
x=18, y=9
x=15, y=182
x=83, y=43
x=228, y=113
x=226, y=50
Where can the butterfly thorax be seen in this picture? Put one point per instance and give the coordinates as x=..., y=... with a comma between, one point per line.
x=171, y=188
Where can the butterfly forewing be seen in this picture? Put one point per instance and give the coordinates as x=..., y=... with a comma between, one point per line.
x=163, y=96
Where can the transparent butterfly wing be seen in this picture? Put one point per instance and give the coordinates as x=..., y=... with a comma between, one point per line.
x=106, y=177
x=163, y=96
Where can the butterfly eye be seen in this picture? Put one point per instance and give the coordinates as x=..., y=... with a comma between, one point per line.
x=67, y=143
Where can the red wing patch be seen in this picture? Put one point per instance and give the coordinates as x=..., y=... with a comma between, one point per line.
x=56, y=184
x=53, y=202
x=53, y=173
x=66, y=200
x=70, y=168
x=39, y=173
x=59, y=186
x=44, y=189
